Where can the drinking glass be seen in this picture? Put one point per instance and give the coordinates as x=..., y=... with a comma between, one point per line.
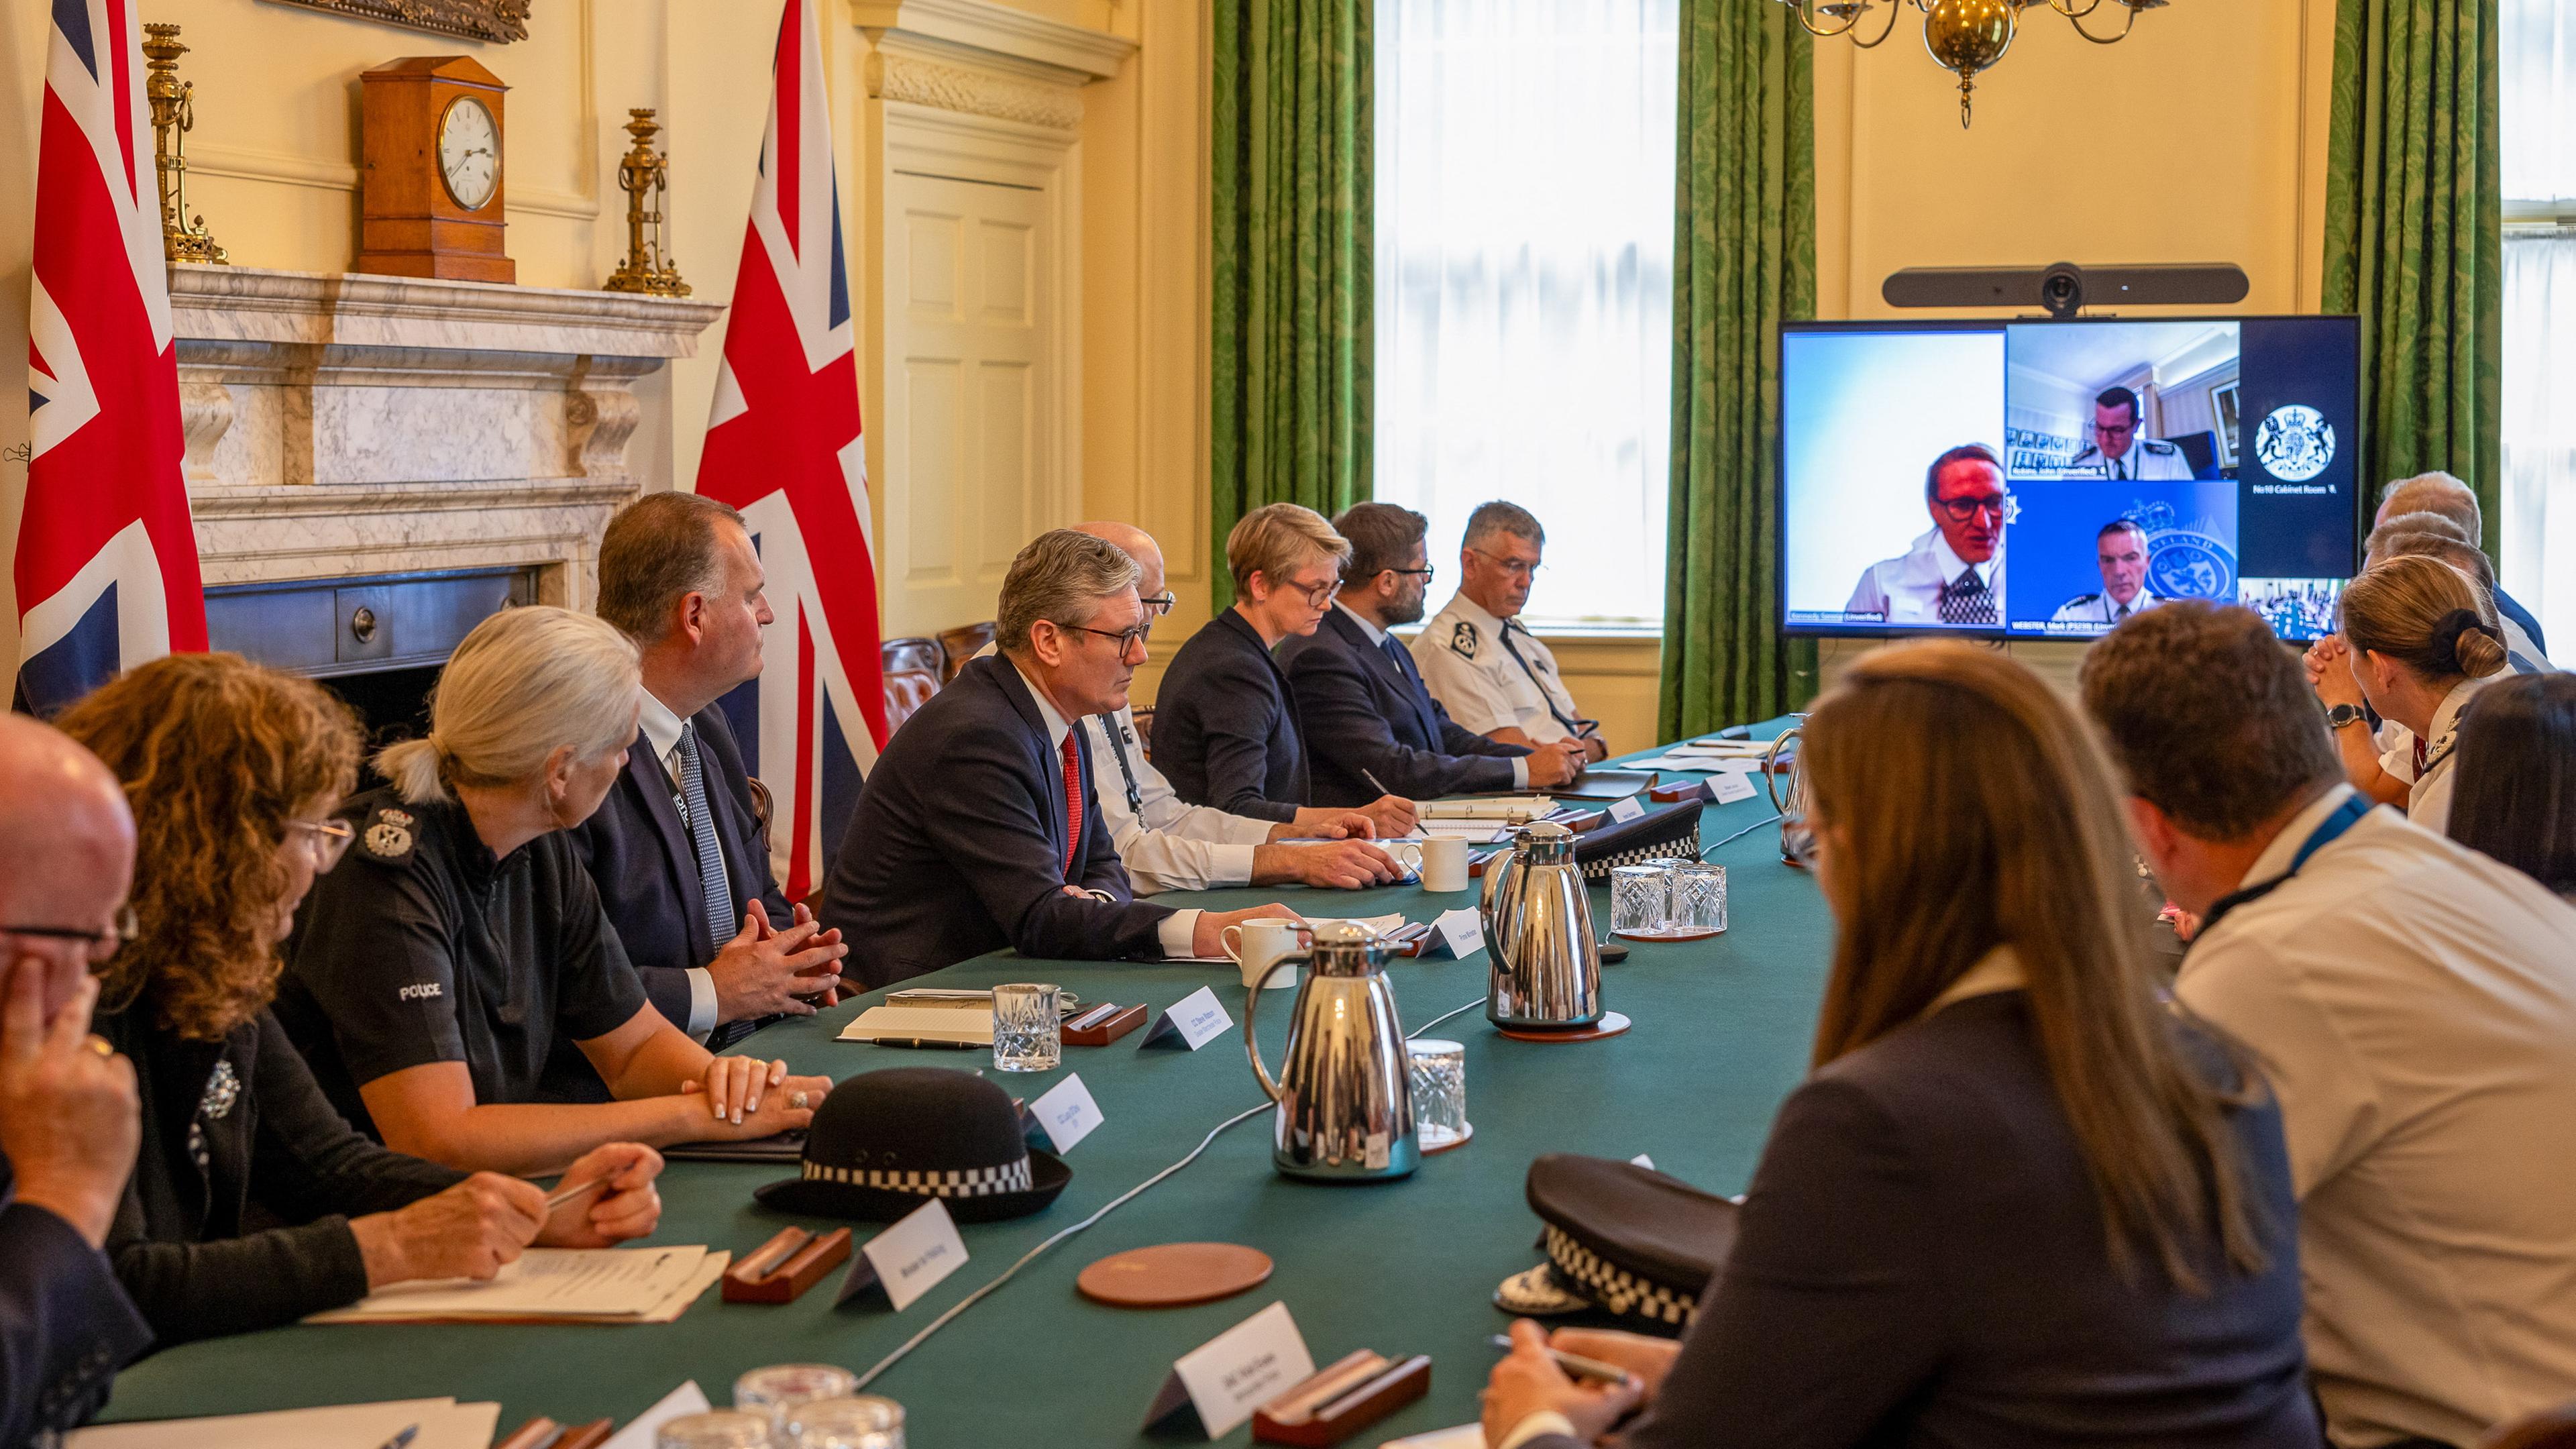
x=1439, y=1084
x=1699, y=897
x=1640, y=896
x=772, y=1391
x=719, y=1429
x=1028, y=1027
x=861, y=1421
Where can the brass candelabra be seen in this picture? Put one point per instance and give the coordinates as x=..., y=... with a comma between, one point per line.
x=174, y=115
x=645, y=178
x=1965, y=36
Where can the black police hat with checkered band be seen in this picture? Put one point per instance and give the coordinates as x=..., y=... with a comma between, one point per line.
x=1665, y=830
x=883, y=1143
x=1622, y=1239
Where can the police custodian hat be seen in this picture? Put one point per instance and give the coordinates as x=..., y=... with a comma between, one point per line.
x=1620, y=1239
x=883, y=1143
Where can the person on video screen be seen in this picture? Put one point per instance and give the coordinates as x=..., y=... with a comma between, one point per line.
x=2121, y=550
x=1955, y=573
x=2118, y=451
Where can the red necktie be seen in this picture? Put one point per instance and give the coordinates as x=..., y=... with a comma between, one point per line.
x=1072, y=801
x=2420, y=755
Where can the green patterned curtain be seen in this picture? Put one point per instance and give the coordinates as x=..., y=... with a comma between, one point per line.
x=1744, y=261
x=1292, y=131
x=2415, y=236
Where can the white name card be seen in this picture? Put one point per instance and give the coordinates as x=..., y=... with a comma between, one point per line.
x=1461, y=933
x=907, y=1259
x=1067, y=1113
x=1627, y=810
x=1194, y=1021
x=1642, y=1160
x=1236, y=1372
x=1730, y=787
x=688, y=1398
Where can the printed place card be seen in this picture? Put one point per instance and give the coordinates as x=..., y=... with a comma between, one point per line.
x=907, y=1259
x=1193, y=1022
x=1730, y=787
x=1626, y=810
x=1235, y=1372
x=1066, y=1113
x=1460, y=933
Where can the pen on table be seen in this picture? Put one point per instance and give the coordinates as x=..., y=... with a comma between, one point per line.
x=403, y=1439
x=1574, y=1363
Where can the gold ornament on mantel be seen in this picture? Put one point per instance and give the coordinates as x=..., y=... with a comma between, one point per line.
x=1965, y=36
x=174, y=115
x=645, y=178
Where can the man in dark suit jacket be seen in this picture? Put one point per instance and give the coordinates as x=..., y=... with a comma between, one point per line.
x=979, y=826
x=677, y=848
x=1362, y=702
x=69, y=1114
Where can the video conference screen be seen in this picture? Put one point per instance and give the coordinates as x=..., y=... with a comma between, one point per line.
x=2047, y=479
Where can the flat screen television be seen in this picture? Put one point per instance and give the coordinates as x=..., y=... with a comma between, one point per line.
x=2043, y=479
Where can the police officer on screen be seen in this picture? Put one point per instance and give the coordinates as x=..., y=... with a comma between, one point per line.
x=2121, y=550
x=2118, y=451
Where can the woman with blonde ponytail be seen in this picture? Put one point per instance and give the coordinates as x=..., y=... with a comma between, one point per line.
x=2419, y=640
x=442, y=982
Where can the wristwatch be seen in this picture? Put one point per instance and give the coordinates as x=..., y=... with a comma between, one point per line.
x=2345, y=714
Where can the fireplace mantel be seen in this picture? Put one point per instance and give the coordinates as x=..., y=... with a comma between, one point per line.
x=351, y=424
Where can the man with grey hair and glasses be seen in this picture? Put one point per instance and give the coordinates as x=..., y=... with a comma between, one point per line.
x=1485, y=666
x=980, y=826
x=2442, y=494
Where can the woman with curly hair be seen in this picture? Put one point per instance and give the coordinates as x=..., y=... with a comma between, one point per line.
x=464, y=949
x=232, y=772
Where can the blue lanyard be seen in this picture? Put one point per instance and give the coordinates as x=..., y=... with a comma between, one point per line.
x=2347, y=815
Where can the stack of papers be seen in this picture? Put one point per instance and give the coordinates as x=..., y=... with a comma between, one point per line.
x=438, y=1424
x=1709, y=756
x=552, y=1285
x=1506, y=809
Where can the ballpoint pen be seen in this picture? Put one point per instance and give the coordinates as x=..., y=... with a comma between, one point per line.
x=1575, y=1364
x=403, y=1439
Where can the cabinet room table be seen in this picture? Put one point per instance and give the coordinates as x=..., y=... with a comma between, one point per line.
x=1722, y=1031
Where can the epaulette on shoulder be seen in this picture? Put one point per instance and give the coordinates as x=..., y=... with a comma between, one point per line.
x=389, y=834
x=1463, y=641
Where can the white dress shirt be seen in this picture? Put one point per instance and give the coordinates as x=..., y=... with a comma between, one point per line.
x=661, y=728
x=1168, y=844
x=1464, y=665
x=1907, y=589
x=2102, y=608
x=2414, y=1006
x=1180, y=927
x=2429, y=803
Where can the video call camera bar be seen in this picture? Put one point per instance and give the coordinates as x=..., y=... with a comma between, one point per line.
x=2066, y=289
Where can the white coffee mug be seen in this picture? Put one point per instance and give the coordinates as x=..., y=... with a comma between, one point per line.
x=1443, y=863
x=1253, y=945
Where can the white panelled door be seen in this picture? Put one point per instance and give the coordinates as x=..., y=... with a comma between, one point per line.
x=972, y=389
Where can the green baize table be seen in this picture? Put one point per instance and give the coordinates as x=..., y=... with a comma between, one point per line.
x=1722, y=1031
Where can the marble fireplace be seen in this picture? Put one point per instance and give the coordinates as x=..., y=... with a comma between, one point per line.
x=377, y=463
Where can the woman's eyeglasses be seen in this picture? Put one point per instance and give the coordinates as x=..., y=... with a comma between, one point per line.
x=328, y=838
x=1318, y=595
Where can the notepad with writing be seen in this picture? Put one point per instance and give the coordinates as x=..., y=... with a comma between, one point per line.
x=552, y=1285
x=438, y=1424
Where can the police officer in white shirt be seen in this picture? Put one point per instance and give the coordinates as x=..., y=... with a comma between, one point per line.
x=1955, y=573
x=2118, y=452
x=2413, y=1006
x=1171, y=846
x=2121, y=551
x=1480, y=661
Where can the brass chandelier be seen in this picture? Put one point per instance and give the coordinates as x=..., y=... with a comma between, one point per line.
x=1966, y=36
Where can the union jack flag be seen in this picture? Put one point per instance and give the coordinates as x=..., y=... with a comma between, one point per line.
x=783, y=446
x=106, y=563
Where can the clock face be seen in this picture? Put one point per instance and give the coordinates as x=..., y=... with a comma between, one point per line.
x=469, y=152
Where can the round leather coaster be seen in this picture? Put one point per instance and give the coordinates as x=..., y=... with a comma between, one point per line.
x=1173, y=1275
x=1612, y=1023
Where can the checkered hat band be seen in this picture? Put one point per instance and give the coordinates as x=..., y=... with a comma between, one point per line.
x=1599, y=870
x=1614, y=1287
x=965, y=1182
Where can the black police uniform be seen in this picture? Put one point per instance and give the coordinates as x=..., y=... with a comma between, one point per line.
x=423, y=948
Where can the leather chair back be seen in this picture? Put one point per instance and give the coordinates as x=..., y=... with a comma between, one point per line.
x=2548, y=1429
x=962, y=643
x=913, y=673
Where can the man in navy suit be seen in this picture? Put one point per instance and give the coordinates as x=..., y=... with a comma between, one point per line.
x=1361, y=701
x=68, y=1112
x=980, y=826
x=677, y=848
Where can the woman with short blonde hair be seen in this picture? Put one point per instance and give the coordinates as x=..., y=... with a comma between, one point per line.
x=2020, y=1199
x=2419, y=640
x=233, y=772
x=1225, y=722
x=464, y=949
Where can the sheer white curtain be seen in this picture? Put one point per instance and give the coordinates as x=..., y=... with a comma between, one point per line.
x=2537, y=47
x=1524, y=283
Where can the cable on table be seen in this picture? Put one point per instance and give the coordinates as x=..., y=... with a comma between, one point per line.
x=1739, y=835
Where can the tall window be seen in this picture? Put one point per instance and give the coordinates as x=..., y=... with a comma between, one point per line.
x=1524, y=284
x=2538, y=52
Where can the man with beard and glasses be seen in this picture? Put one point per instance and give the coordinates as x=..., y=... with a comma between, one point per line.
x=1365, y=710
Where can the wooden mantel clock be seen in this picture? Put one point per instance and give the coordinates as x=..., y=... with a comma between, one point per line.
x=430, y=186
